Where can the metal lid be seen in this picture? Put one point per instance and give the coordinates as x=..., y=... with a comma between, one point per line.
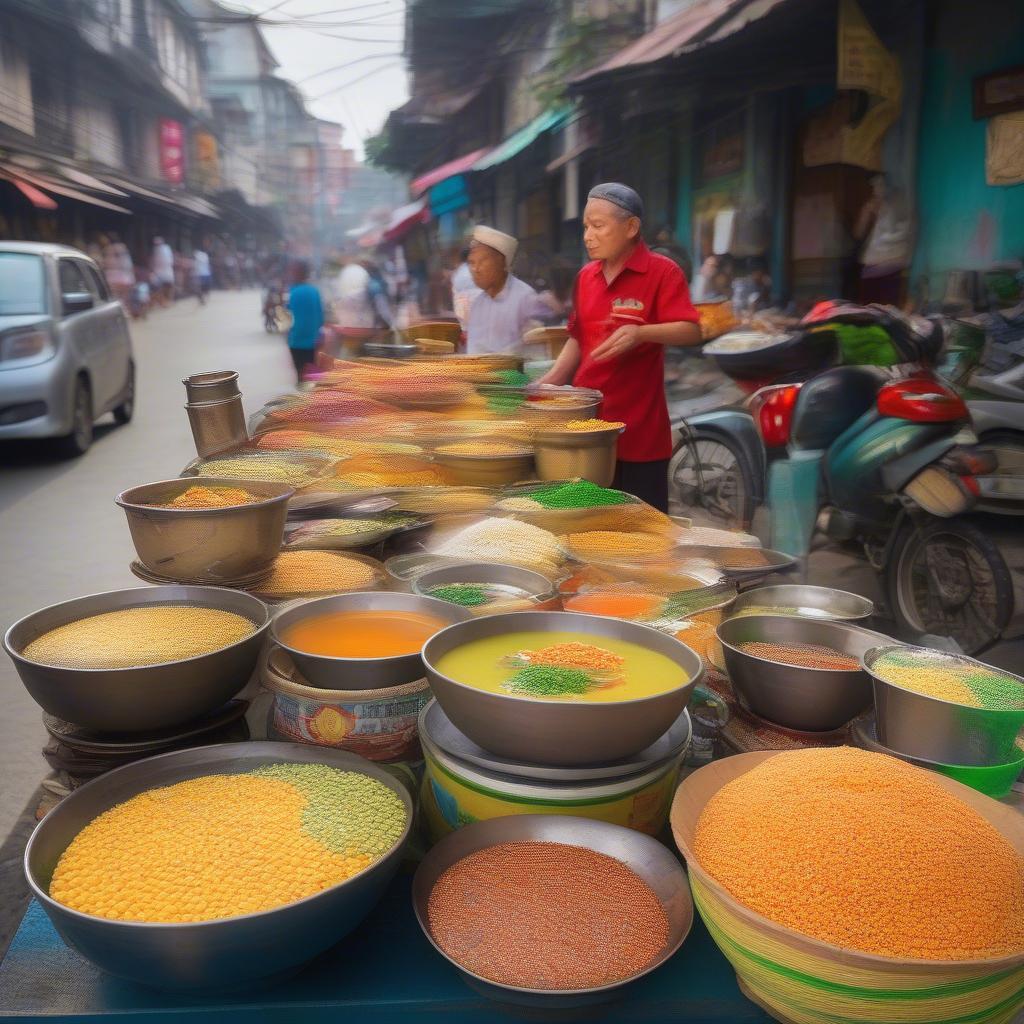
x=437, y=728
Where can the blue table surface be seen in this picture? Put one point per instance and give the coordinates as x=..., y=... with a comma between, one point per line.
x=384, y=973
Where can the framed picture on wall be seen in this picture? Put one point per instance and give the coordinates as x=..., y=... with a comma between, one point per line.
x=999, y=92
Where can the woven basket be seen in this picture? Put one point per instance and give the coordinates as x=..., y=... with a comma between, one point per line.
x=803, y=980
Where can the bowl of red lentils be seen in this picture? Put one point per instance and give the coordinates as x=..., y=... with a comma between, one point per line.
x=803, y=674
x=218, y=867
x=552, y=911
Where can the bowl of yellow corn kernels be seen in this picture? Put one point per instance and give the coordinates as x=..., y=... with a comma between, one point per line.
x=289, y=848
x=132, y=661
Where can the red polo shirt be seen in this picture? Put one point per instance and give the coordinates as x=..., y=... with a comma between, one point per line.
x=650, y=289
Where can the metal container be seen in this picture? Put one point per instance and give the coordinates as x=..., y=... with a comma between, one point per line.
x=206, y=545
x=438, y=728
x=214, y=386
x=938, y=730
x=361, y=673
x=486, y=470
x=807, y=602
x=567, y=454
x=541, y=595
x=806, y=699
x=149, y=697
x=217, y=426
x=231, y=953
x=559, y=412
x=654, y=863
x=389, y=350
x=555, y=732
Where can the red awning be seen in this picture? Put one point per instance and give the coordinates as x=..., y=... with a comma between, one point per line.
x=38, y=199
x=405, y=218
x=449, y=170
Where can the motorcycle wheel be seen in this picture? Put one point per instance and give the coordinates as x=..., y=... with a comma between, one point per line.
x=1009, y=448
x=948, y=578
x=709, y=474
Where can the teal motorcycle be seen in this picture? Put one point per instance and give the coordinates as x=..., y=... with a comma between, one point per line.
x=883, y=457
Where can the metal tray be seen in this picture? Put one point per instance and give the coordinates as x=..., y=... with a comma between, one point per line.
x=438, y=727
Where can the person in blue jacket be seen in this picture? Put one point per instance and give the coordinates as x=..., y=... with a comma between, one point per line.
x=307, y=309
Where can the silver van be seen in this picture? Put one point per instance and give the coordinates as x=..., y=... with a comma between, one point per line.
x=65, y=350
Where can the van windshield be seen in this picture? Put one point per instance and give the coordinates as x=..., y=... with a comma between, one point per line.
x=22, y=290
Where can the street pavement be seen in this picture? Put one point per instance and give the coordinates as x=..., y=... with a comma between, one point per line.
x=63, y=536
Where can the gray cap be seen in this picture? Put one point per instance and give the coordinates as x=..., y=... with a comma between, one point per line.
x=621, y=195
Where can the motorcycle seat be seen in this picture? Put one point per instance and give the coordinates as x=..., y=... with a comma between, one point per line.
x=831, y=402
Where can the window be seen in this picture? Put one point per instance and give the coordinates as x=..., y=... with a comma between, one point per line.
x=22, y=284
x=72, y=278
x=97, y=282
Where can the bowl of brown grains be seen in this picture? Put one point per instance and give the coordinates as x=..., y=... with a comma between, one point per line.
x=804, y=674
x=551, y=910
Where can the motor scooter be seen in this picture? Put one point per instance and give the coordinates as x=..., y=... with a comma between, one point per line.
x=882, y=457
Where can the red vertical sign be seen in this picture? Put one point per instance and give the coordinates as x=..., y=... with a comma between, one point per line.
x=172, y=150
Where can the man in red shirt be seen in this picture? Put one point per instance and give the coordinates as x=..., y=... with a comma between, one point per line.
x=629, y=303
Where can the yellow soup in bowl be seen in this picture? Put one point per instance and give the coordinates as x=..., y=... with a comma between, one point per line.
x=562, y=666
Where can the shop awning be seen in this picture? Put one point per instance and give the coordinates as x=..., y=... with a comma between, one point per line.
x=457, y=166
x=40, y=200
x=669, y=38
x=182, y=201
x=405, y=218
x=49, y=183
x=518, y=141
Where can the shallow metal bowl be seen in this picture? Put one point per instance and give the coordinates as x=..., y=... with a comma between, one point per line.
x=361, y=673
x=538, y=588
x=559, y=732
x=642, y=854
x=807, y=699
x=807, y=602
x=938, y=730
x=200, y=545
x=230, y=953
x=149, y=697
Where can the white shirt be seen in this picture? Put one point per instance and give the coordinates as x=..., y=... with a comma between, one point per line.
x=353, y=307
x=201, y=263
x=163, y=262
x=498, y=324
x=463, y=292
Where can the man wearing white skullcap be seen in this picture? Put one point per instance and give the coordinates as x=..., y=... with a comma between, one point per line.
x=505, y=308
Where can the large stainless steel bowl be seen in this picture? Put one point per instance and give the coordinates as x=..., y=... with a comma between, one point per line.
x=551, y=731
x=808, y=699
x=229, y=953
x=148, y=697
x=216, y=545
x=806, y=601
x=361, y=673
x=541, y=592
x=938, y=730
x=648, y=858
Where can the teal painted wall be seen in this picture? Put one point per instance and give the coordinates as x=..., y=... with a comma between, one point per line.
x=963, y=222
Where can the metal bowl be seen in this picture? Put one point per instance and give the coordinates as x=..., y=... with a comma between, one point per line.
x=361, y=673
x=648, y=858
x=807, y=602
x=541, y=593
x=590, y=455
x=199, y=545
x=149, y=697
x=228, y=953
x=806, y=699
x=486, y=470
x=939, y=730
x=559, y=732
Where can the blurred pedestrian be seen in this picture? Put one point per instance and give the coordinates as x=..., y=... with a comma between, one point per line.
x=203, y=276
x=556, y=296
x=162, y=267
x=118, y=268
x=666, y=245
x=307, y=311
